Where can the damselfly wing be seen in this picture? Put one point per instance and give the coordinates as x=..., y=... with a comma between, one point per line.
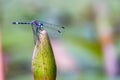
x=53, y=29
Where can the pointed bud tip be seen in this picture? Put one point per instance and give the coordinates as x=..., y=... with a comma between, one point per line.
x=43, y=32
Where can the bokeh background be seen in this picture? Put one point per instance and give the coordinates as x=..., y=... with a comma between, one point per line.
x=89, y=48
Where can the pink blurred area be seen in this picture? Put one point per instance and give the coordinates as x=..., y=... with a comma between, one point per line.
x=1, y=62
x=64, y=61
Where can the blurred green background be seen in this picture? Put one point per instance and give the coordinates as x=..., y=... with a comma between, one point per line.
x=78, y=52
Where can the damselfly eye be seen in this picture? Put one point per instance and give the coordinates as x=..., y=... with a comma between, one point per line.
x=41, y=24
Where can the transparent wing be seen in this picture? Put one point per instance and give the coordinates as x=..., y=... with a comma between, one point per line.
x=53, y=30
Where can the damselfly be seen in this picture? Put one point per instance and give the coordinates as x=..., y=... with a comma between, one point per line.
x=38, y=26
